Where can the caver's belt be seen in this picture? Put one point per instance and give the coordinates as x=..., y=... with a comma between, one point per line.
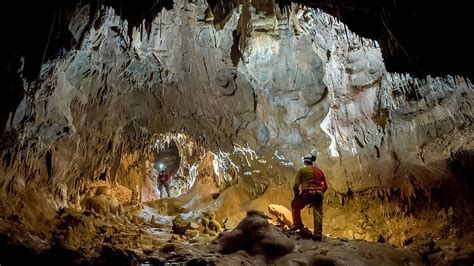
x=312, y=191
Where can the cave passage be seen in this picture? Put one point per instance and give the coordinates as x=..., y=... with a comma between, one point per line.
x=191, y=132
x=169, y=158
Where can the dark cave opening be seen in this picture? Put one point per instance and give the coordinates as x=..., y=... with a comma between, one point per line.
x=168, y=157
x=462, y=164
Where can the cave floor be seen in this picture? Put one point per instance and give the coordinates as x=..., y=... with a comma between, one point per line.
x=331, y=251
x=143, y=235
x=205, y=249
x=140, y=240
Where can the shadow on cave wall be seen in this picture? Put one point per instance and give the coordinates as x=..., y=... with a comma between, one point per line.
x=461, y=164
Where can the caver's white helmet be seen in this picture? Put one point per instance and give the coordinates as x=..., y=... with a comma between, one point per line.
x=308, y=158
x=161, y=167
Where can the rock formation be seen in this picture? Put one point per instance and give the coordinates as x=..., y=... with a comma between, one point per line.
x=230, y=95
x=255, y=235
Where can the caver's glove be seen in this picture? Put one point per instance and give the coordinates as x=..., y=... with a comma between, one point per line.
x=296, y=191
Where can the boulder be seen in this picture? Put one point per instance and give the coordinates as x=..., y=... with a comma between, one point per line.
x=282, y=214
x=256, y=236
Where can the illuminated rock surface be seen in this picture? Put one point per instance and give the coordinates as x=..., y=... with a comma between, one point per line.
x=231, y=104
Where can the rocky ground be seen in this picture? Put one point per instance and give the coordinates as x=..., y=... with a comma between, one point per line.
x=149, y=238
x=110, y=226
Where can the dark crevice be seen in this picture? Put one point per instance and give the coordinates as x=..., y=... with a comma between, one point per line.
x=221, y=9
x=103, y=176
x=323, y=96
x=359, y=142
x=461, y=164
x=212, y=3
x=109, y=146
x=235, y=53
x=49, y=163
x=7, y=159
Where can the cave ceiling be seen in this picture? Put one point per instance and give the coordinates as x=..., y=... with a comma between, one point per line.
x=415, y=37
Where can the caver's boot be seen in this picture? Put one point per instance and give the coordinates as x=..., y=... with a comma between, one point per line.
x=305, y=233
x=318, y=238
x=296, y=227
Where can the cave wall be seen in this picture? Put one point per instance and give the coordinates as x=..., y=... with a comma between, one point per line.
x=380, y=121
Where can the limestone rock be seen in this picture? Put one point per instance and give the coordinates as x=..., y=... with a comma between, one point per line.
x=255, y=235
x=226, y=79
x=180, y=225
x=102, y=204
x=282, y=214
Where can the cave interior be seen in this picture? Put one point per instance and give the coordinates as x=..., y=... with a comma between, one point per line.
x=228, y=96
